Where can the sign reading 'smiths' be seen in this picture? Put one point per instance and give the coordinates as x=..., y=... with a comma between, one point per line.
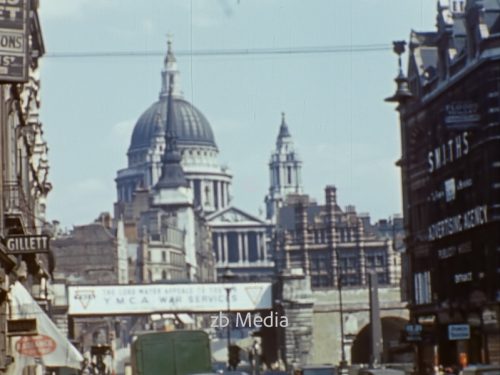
x=146, y=299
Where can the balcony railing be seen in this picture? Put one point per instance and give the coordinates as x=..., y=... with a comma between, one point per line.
x=16, y=204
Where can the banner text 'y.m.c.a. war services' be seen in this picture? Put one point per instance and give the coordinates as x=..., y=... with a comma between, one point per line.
x=151, y=298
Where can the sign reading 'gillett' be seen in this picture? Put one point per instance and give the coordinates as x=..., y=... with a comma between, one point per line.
x=27, y=244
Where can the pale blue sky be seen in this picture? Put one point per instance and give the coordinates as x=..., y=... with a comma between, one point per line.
x=345, y=133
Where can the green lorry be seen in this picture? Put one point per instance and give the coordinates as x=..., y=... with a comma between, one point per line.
x=171, y=353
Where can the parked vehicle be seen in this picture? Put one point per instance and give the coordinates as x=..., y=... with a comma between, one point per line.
x=171, y=353
x=481, y=370
x=380, y=371
x=316, y=370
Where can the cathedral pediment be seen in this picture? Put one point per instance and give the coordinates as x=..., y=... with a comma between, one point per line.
x=233, y=216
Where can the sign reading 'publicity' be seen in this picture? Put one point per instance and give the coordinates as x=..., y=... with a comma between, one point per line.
x=144, y=299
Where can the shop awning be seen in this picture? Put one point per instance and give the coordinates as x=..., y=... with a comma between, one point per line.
x=49, y=347
x=185, y=318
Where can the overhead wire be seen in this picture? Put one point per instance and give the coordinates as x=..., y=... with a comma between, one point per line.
x=227, y=52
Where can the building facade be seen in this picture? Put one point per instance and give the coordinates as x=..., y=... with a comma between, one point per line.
x=95, y=253
x=240, y=243
x=331, y=244
x=26, y=263
x=448, y=101
x=323, y=252
x=192, y=213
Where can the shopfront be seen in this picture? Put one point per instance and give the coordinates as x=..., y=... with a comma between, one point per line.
x=42, y=346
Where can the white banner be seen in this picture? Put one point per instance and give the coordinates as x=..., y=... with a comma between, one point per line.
x=138, y=299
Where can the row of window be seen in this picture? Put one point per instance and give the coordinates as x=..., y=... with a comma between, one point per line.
x=319, y=235
x=167, y=257
x=138, y=158
x=322, y=280
x=165, y=275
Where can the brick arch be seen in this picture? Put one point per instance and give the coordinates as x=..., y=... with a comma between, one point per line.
x=391, y=333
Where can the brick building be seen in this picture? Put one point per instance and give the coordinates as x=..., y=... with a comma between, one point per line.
x=448, y=102
x=323, y=239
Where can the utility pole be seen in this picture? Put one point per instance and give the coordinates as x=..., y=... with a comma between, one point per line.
x=375, y=323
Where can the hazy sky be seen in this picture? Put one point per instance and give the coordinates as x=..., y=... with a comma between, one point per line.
x=344, y=131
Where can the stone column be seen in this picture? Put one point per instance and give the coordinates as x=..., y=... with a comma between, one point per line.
x=245, y=236
x=240, y=247
x=263, y=246
x=219, y=247
x=223, y=193
x=226, y=250
x=257, y=238
x=298, y=305
x=219, y=192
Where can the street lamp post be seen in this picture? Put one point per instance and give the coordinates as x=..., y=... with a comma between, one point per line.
x=228, y=298
x=228, y=276
x=343, y=362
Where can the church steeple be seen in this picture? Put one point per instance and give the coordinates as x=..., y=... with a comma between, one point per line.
x=172, y=175
x=170, y=74
x=284, y=132
x=285, y=171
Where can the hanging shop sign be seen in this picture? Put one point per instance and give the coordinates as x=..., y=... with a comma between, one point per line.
x=413, y=332
x=465, y=277
x=31, y=244
x=489, y=317
x=462, y=113
x=22, y=327
x=458, y=332
x=36, y=346
x=14, y=30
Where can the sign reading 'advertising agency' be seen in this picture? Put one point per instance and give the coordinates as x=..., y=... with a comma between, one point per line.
x=14, y=59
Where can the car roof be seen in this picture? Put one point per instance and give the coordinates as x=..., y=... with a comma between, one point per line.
x=381, y=371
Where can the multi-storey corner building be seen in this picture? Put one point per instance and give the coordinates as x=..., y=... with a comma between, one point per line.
x=26, y=263
x=449, y=106
x=323, y=254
